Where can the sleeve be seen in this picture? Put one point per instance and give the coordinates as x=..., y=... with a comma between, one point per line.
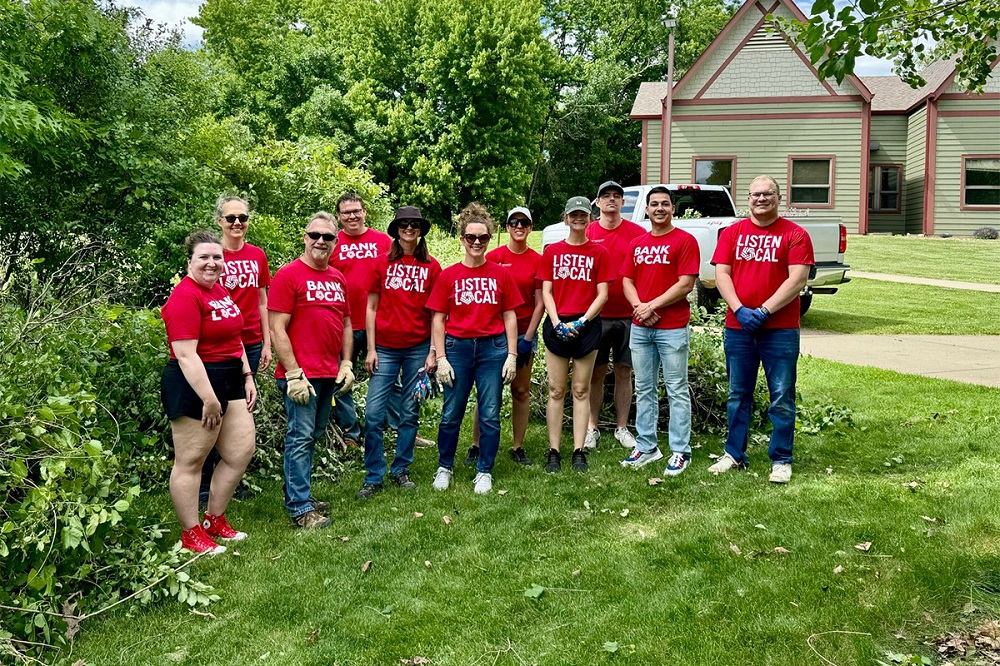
x=800, y=249
x=544, y=270
x=689, y=261
x=510, y=295
x=182, y=316
x=605, y=271
x=281, y=297
x=724, y=249
x=378, y=274
x=438, y=300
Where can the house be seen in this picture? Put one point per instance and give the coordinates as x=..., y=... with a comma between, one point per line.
x=884, y=157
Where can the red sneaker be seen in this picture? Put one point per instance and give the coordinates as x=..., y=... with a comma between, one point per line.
x=218, y=527
x=197, y=541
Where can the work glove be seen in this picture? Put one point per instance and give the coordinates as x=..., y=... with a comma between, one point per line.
x=750, y=320
x=563, y=331
x=577, y=326
x=525, y=346
x=298, y=388
x=345, y=377
x=509, y=368
x=424, y=388
x=445, y=373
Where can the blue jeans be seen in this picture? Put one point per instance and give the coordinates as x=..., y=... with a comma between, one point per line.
x=651, y=348
x=392, y=363
x=777, y=349
x=253, y=355
x=476, y=361
x=346, y=412
x=306, y=425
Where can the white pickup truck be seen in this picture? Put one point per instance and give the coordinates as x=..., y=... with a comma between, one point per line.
x=705, y=210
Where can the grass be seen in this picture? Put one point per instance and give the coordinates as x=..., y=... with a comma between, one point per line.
x=965, y=259
x=659, y=584
x=874, y=307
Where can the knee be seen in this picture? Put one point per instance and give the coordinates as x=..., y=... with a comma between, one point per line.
x=581, y=391
x=520, y=393
x=557, y=392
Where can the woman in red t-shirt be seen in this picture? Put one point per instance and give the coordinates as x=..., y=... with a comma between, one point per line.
x=575, y=274
x=398, y=327
x=474, y=333
x=208, y=392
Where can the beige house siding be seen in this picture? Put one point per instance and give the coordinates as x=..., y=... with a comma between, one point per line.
x=722, y=51
x=913, y=176
x=959, y=136
x=890, y=133
x=743, y=75
x=651, y=149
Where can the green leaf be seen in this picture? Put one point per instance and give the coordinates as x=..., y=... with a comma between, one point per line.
x=610, y=646
x=387, y=610
x=121, y=505
x=535, y=591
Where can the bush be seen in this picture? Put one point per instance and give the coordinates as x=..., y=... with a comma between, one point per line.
x=986, y=233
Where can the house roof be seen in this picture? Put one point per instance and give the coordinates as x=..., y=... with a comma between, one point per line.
x=889, y=93
x=649, y=99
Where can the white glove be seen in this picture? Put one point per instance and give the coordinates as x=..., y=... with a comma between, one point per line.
x=299, y=389
x=445, y=373
x=509, y=368
x=345, y=377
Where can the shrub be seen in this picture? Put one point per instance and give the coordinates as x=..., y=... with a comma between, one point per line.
x=986, y=233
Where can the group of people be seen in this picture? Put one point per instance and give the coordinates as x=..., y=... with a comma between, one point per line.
x=611, y=292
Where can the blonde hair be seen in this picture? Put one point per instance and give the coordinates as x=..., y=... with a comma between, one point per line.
x=325, y=216
x=777, y=188
x=227, y=198
x=475, y=213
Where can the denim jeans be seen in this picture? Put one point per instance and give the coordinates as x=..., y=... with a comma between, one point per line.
x=476, y=361
x=346, y=412
x=393, y=364
x=306, y=425
x=253, y=355
x=777, y=349
x=652, y=348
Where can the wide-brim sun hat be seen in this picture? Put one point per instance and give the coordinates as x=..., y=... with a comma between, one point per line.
x=408, y=213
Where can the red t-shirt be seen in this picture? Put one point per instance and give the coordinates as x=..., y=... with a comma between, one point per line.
x=760, y=257
x=209, y=316
x=655, y=263
x=617, y=242
x=356, y=257
x=246, y=273
x=402, y=319
x=317, y=302
x=474, y=299
x=523, y=268
x=575, y=271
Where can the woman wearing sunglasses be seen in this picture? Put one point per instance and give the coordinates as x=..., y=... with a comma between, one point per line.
x=522, y=262
x=575, y=274
x=399, y=331
x=208, y=393
x=474, y=334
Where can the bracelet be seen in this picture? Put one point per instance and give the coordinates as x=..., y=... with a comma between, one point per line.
x=434, y=349
x=247, y=374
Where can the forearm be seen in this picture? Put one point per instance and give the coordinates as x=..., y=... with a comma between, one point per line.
x=194, y=372
x=347, y=350
x=549, y=303
x=631, y=294
x=786, y=293
x=283, y=347
x=536, y=316
x=678, y=291
x=264, y=326
x=724, y=283
x=437, y=333
x=510, y=330
x=598, y=304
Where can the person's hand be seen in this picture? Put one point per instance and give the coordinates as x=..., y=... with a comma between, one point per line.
x=643, y=312
x=650, y=320
x=525, y=346
x=251, y=390
x=265, y=358
x=509, y=368
x=576, y=326
x=563, y=331
x=425, y=387
x=211, y=414
x=445, y=373
x=431, y=364
x=345, y=376
x=749, y=319
x=371, y=362
x=298, y=388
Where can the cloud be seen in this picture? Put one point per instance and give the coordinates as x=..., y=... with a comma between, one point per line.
x=174, y=13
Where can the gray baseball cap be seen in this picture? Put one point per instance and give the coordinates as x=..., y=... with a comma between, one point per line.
x=519, y=209
x=578, y=203
x=610, y=185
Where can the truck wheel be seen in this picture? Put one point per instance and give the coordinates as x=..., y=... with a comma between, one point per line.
x=705, y=297
x=805, y=300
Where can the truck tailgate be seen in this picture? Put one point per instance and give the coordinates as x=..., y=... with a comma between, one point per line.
x=825, y=236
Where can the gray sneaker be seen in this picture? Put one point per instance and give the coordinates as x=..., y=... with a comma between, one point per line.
x=638, y=459
x=368, y=491
x=403, y=481
x=626, y=438
x=593, y=436
x=780, y=473
x=483, y=483
x=442, y=478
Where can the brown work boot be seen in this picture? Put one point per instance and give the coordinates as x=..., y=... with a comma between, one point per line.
x=311, y=520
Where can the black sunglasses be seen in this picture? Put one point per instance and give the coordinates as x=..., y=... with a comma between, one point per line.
x=315, y=235
x=231, y=219
x=472, y=239
x=408, y=224
x=519, y=222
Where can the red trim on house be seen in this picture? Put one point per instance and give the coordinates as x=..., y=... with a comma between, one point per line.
x=769, y=116
x=972, y=208
x=898, y=210
x=765, y=12
x=833, y=182
x=969, y=96
x=644, y=177
x=666, y=135
x=940, y=90
x=731, y=158
x=788, y=99
x=647, y=116
x=866, y=142
x=930, y=166
x=736, y=52
x=970, y=113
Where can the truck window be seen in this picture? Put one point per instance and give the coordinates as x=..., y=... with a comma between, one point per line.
x=704, y=203
x=628, y=208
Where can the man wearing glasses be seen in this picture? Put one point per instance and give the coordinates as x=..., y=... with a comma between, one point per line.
x=356, y=256
x=761, y=265
x=311, y=331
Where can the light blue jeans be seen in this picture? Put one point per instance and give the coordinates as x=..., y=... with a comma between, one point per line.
x=306, y=425
x=652, y=348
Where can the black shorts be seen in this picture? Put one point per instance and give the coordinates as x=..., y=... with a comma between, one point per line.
x=580, y=346
x=179, y=399
x=614, y=342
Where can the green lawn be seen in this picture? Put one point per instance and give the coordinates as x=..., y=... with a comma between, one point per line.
x=875, y=307
x=964, y=259
x=650, y=570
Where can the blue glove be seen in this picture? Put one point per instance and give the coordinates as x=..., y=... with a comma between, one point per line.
x=577, y=326
x=425, y=387
x=525, y=346
x=562, y=331
x=749, y=319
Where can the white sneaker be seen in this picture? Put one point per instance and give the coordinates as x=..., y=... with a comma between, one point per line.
x=483, y=483
x=724, y=464
x=637, y=458
x=626, y=438
x=442, y=478
x=677, y=464
x=780, y=473
x=593, y=435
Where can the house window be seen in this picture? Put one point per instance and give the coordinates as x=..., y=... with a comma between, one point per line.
x=715, y=171
x=883, y=188
x=811, y=181
x=981, y=181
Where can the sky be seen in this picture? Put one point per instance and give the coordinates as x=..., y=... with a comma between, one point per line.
x=175, y=13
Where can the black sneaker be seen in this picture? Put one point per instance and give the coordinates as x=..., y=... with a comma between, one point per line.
x=403, y=481
x=579, y=460
x=520, y=457
x=369, y=490
x=553, y=462
x=319, y=505
x=472, y=457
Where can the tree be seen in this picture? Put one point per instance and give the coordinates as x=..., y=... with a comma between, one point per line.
x=900, y=30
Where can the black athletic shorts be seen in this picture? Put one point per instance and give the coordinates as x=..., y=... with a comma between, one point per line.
x=583, y=344
x=614, y=342
x=179, y=399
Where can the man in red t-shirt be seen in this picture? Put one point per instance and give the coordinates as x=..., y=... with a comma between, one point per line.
x=615, y=234
x=761, y=265
x=310, y=321
x=357, y=254
x=659, y=272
